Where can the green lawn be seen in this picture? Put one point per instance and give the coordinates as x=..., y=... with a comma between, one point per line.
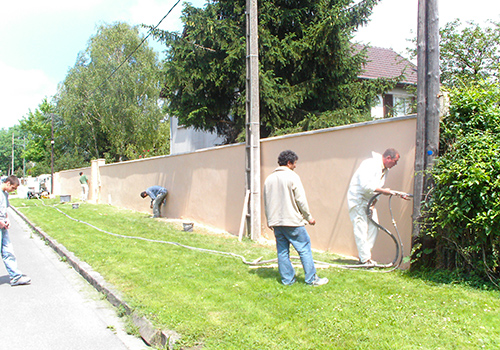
x=221, y=303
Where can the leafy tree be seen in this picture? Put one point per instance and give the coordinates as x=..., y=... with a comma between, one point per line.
x=38, y=127
x=109, y=101
x=469, y=52
x=463, y=214
x=308, y=66
x=11, y=139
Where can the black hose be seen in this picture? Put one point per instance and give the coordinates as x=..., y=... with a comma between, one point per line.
x=397, y=240
x=398, y=259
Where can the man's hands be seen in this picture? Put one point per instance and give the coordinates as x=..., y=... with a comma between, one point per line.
x=4, y=224
x=312, y=221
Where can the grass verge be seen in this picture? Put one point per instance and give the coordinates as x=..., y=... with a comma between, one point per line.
x=221, y=303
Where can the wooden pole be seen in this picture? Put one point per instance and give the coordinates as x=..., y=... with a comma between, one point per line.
x=12, y=166
x=253, y=122
x=52, y=154
x=427, y=135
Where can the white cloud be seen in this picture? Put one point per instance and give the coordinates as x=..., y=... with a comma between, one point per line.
x=20, y=91
x=393, y=22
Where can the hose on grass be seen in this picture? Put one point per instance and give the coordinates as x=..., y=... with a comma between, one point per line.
x=258, y=261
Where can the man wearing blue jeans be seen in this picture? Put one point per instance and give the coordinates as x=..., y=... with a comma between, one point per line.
x=157, y=195
x=9, y=259
x=287, y=212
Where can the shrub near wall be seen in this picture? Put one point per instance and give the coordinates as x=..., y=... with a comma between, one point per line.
x=462, y=214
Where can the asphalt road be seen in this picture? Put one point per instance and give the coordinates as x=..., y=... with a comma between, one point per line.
x=59, y=310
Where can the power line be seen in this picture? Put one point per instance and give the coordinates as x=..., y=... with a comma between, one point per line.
x=138, y=46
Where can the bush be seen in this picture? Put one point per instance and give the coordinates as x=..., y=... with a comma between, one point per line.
x=473, y=108
x=462, y=215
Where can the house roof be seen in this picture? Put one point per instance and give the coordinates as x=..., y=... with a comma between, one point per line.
x=385, y=63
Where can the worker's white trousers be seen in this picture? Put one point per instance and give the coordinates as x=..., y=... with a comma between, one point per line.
x=365, y=231
x=85, y=192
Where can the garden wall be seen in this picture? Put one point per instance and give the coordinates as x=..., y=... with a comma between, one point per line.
x=208, y=186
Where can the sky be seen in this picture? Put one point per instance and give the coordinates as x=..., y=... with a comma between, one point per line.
x=40, y=39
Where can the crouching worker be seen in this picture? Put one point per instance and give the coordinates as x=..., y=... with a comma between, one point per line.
x=287, y=212
x=157, y=195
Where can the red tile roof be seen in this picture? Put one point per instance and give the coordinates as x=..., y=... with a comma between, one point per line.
x=385, y=63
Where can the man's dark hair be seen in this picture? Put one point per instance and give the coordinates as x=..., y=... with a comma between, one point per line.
x=287, y=156
x=13, y=180
x=81, y=172
x=391, y=152
x=144, y=194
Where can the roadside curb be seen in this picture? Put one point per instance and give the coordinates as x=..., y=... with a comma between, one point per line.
x=151, y=335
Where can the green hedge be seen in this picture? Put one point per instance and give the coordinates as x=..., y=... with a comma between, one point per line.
x=462, y=210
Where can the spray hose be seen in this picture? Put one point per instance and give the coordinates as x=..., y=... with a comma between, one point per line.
x=396, y=239
x=258, y=262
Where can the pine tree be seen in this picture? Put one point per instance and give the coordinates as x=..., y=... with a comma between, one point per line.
x=308, y=66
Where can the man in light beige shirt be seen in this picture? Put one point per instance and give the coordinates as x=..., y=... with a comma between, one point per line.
x=287, y=212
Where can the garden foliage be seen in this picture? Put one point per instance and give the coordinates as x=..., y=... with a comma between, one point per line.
x=308, y=66
x=462, y=214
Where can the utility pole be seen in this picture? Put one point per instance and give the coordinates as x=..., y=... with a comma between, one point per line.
x=52, y=154
x=24, y=156
x=427, y=138
x=252, y=151
x=12, y=168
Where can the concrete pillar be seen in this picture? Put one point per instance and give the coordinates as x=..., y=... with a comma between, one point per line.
x=95, y=181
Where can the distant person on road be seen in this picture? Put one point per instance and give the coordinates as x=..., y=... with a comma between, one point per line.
x=287, y=212
x=368, y=180
x=9, y=259
x=157, y=195
x=84, y=181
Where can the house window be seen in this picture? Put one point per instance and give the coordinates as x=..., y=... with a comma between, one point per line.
x=402, y=105
x=397, y=105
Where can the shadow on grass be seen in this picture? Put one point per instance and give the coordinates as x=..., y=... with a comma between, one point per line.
x=273, y=274
x=266, y=273
x=440, y=277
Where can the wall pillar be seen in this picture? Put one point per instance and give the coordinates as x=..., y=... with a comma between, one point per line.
x=95, y=181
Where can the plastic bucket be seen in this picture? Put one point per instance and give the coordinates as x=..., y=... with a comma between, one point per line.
x=188, y=226
x=65, y=198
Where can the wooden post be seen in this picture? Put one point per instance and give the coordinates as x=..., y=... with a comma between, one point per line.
x=253, y=122
x=427, y=136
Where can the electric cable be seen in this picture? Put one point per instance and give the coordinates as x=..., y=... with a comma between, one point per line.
x=137, y=48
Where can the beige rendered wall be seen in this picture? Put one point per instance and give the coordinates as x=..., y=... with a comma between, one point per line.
x=67, y=182
x=327, y=161
x=208, y=186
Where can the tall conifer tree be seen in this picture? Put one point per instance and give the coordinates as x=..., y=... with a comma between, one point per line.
x=308, y=66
